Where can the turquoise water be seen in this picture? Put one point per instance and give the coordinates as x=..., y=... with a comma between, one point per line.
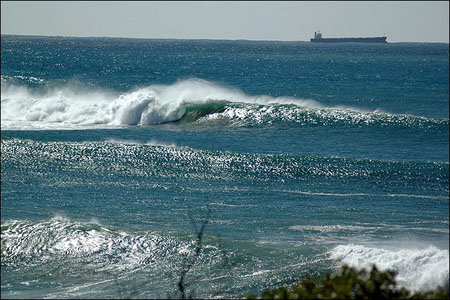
x=299, y=157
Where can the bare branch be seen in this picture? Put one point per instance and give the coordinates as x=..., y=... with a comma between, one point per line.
x=197, y=251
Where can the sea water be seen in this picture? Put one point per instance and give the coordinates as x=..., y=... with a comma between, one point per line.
x=294, y=157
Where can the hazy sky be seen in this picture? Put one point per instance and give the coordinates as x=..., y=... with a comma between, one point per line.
x=426, y=21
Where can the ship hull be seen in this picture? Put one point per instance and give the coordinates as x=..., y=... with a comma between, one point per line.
x=350, y=40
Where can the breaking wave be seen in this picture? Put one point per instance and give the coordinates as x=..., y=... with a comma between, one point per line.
x=192, y=100
x=418, y=269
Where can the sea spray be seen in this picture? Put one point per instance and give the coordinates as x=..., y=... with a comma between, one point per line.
x=418, y=269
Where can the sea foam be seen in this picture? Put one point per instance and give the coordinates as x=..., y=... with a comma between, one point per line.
x=419, y=269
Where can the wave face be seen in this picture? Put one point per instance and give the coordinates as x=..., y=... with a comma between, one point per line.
x=417, y=269
x=192, y=100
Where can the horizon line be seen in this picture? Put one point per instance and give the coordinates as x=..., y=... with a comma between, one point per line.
x=168, y=38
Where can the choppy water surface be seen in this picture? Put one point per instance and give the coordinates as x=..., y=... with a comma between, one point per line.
x=298, y=157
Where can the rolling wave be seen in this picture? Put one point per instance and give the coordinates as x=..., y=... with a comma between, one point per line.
x=188, y=101
x=257, y=114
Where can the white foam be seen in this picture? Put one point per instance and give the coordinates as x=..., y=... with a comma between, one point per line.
x=330, y=228
x=66, y=105
x=419, y=269
x=152, y=142
x=362, y=194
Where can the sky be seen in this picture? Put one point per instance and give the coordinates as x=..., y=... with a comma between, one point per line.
x=402, y=21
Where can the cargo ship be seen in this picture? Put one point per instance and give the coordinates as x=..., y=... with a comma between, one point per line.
x=319, y=39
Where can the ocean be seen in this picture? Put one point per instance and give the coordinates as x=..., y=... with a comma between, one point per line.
x=286, y=158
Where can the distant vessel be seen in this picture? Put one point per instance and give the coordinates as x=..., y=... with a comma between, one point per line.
x=319, y=39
